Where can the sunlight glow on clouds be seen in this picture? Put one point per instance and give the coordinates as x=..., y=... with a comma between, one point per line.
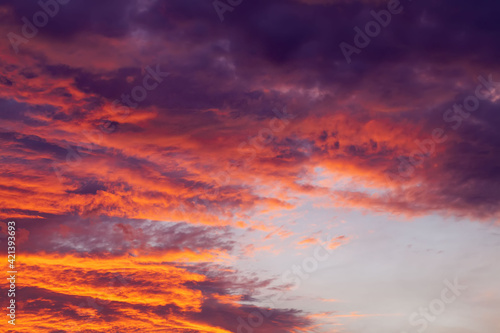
x=166, y=169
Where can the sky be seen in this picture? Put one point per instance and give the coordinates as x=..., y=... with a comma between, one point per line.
x=251, y=166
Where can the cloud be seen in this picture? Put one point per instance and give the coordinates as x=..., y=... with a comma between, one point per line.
x=177, y=174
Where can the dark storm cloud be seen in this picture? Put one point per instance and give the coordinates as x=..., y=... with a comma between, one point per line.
x=108, y=18
x=226, y=78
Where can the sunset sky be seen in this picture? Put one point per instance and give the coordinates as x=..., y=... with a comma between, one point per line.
x=251, y=166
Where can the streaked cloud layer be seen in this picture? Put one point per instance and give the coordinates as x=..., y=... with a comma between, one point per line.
x=152, y=154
